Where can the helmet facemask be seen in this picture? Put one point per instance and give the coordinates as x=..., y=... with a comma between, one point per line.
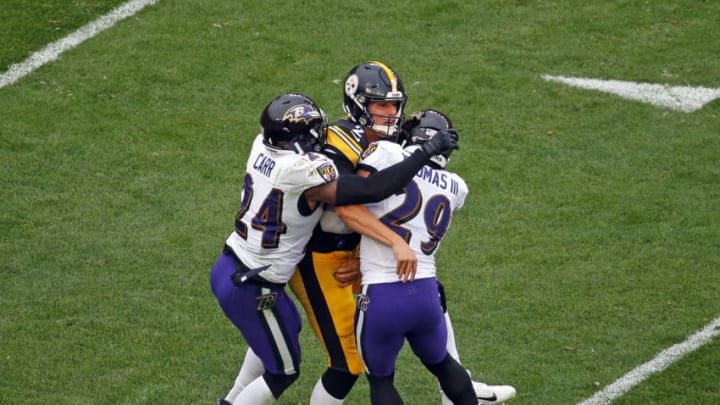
x=313, y=141
x=388, y=125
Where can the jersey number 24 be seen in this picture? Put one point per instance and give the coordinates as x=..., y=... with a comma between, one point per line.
x=268, y=218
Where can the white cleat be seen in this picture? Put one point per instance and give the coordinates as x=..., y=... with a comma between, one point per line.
x=487, y=394
x=493, y=394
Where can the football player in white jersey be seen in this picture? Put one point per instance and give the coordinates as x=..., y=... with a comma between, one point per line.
x=396, y=306
x=284, y=184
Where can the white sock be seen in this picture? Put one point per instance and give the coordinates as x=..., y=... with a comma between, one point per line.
x=255, y=393
x=320, y=396
x=251, y=369
x=451, y=347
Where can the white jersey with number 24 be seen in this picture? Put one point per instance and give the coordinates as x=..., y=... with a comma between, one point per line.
x=273, y=224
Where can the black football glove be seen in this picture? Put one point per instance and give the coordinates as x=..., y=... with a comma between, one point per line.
x=442, y=142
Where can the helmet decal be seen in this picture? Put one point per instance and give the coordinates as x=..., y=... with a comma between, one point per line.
x=390, y=74
x=293, y=121
x=301, y=113
x=351, y=85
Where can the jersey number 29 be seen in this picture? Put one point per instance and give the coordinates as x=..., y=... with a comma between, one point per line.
x=436, y=216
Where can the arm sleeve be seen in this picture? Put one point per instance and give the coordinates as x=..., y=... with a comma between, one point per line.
x=353, y=189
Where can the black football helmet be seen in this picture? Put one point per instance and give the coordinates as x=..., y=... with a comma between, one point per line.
x=423, y=125
x=293, y=121
x=368, y=82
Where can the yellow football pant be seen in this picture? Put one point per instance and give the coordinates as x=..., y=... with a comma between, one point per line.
x=329, y=308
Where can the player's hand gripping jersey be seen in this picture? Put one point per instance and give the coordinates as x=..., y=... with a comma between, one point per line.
x=421, y=214
x=274, y=223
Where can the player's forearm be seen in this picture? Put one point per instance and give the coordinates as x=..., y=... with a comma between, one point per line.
x=360, y=220
x=360, y=190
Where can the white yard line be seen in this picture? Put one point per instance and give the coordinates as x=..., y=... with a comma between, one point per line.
x=682, y=98
x=53, y=50
x=662, y=361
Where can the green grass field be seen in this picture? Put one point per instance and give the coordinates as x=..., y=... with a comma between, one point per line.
x=589, y=243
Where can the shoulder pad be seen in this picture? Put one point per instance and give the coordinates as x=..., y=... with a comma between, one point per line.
x=348, y=139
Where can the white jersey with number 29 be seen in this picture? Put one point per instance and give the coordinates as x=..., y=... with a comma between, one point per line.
x=274, y=224
x=421, y=214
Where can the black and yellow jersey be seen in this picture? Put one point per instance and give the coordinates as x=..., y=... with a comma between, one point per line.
x=345, y=144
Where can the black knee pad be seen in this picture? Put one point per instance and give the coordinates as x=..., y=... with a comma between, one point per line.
x=338, y=383
x=278, y=383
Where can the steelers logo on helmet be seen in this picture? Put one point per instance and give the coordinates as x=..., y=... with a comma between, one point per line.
x=301, y=113
x=351, y=85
